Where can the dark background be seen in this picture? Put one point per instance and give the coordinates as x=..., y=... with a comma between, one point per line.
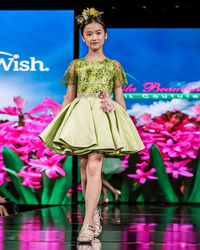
x=124, y=13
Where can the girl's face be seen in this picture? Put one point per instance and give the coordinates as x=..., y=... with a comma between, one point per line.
x=94, y=35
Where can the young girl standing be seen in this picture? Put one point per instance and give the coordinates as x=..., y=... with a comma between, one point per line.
x=90, y=124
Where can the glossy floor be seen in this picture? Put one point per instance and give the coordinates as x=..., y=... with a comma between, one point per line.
x=124, y=227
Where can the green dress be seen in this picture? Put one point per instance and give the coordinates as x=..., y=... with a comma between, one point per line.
x=93, y=121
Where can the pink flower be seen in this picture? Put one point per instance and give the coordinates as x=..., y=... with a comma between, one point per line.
x=20, y=102
x=79, y=188
x=145, y=118
x=50, y=165
x=106, y=103
x=10, y=111
x=182, y=148
x=196, y=109
x=23, y=140
x=104, y=95
x=178, y=168
x=31, y=177
x=44, y=105
x=142, y=165
x=107, y=106
x=3, y=172
x=142, y=176
x=125, y=161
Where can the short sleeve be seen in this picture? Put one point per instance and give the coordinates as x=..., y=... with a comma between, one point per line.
x=119, y=75
x=69, y=76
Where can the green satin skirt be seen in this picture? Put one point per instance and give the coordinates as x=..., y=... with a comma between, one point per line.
x=82, y=126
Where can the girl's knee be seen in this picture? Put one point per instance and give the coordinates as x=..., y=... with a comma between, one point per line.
x=94, y=164
x=93, y=156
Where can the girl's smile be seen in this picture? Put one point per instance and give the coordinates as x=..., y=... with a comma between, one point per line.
x=94, y=36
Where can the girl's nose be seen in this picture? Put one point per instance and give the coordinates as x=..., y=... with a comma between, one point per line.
x=94, y=37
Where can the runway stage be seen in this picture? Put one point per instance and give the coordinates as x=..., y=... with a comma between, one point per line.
x=125, y=227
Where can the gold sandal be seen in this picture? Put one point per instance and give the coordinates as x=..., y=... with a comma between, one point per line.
x=86, y=231
x=97, y=221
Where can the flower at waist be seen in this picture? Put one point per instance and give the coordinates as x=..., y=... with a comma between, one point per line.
x=106, y=103
x=104, y=95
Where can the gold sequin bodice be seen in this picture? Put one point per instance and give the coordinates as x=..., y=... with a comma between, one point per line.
x=95, y=76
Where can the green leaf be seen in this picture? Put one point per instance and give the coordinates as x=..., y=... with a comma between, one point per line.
x=67, y=200
x=163, y=179
x=13, y=165
x=188, y=182
x=16, y=184
x=48, y=184
x=126, y=189
x=12, y=160
x=5, y=193
x=195, y=194
x=136, y=186
x=80, y=196
x=24, y=193
x=140, y=198
x=137, y=190
x=62, y=184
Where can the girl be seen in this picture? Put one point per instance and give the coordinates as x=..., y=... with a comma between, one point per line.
x=90, y=124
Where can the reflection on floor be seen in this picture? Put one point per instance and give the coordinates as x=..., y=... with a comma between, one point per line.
x=124, y=227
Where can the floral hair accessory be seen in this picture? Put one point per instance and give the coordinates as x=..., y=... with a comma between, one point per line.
x=106, y=103
x=87, y=13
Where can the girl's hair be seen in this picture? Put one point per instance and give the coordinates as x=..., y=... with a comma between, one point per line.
x=96, y=19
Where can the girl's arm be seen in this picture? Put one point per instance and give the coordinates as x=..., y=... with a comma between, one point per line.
x=70, y=95
x=69, y=81
x=118, y=97
x=119, y=81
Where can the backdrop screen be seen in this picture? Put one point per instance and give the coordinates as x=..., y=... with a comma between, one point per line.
x=162, y=98
x=35, y=49
x=156, y=60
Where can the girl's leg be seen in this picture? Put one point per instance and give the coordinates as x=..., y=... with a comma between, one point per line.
x=91, y=179
x=83, y=162
x=94, y=185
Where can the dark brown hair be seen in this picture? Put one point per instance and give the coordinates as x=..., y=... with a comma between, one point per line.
x=96, y=19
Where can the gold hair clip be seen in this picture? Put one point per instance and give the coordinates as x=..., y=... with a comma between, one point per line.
x=86, y=14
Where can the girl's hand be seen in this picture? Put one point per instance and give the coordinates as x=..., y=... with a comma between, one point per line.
x=118, y=97
x=70, y=95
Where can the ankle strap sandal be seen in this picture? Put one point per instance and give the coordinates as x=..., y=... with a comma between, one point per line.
x=87, y=232
x=97, y=221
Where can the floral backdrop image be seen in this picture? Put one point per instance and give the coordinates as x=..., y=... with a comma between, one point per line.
x=31, y=68
x=162, y=99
